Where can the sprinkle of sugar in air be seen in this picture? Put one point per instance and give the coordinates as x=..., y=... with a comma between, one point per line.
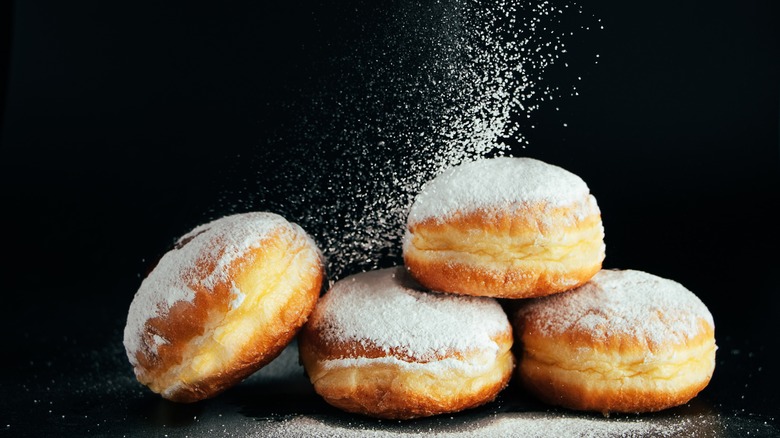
x=420, y=89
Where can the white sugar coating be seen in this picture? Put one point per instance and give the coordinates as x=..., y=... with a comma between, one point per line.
x=415, y=89
x=629, y=302
x=501, y=181
x=383, y=309
x=509, y=424
x=238, y=297
x=223, y=240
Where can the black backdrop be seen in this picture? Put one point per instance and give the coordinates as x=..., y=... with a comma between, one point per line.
x=124, y=125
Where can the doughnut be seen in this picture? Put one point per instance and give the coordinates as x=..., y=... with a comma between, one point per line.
x=377, y=344
x=626, y=341
x=504, y=227
x=221, y=304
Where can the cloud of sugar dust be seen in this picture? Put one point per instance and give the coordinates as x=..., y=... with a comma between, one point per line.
x=411, y=91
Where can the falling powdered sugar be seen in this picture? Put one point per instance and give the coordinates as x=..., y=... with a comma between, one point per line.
x=412, y=91
x=623, y=302
x=382, y=309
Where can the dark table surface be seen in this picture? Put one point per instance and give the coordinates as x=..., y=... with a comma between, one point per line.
x=74, y=380
x=124, y=126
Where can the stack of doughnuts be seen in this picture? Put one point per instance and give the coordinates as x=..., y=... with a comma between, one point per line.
x=522, y=230
x=588, y=338
x=502, y=276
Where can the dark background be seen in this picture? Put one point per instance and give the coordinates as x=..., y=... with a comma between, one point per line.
x=122, y=125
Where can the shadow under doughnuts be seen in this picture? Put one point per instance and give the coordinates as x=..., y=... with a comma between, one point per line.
x=161, y=412
x=456, y=422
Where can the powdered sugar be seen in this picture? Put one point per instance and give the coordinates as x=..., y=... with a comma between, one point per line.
x=498, y=181
x=238, y=297
x=157, y=340
x=222, y=241
x=420, y=87
x=511, y=424
x=382, y=309
x=630, y=302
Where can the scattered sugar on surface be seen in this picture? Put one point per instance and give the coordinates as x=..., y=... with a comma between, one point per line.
x=624, y=302
x=380, y=308
x=520, y=424
x=110, y=402
x=497, y=181
x=224, y=240
x=417, y=89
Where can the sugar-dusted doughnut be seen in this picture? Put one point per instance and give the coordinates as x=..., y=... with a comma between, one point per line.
x=220, y=305
x=377, y=344
x=626, y=341
x=504, y=227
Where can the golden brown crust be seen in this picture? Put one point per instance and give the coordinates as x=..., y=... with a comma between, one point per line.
x=377, y=344
x=210, y=343
x=526, y=250
x=619, y=385
x=622, y=373
x=366, y=380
